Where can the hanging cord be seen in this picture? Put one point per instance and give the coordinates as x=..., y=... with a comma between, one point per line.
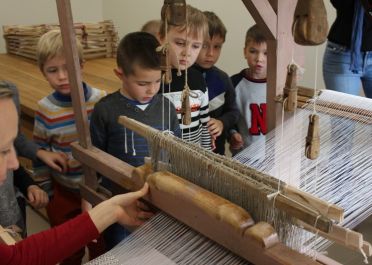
x=134, y=150
x=125, y=140
x=315, y=79
x=186, y=92
x=167, y=72
x=312, y=146
x=165, y=60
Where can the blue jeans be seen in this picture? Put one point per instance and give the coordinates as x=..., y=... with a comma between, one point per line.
x=337, y=74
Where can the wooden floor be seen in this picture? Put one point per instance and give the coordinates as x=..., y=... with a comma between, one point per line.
x=33, y=86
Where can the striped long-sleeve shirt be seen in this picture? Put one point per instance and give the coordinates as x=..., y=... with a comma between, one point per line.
x=55, y=130
x=197, y=131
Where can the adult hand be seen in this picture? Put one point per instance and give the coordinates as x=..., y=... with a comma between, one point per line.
x=122, y=209
x=236, y=141
x=131, y=211
x=55, y=160
x=215, y=127
x=37, y=197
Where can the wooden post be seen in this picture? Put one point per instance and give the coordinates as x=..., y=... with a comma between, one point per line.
x=275, y=18
x=74, y=76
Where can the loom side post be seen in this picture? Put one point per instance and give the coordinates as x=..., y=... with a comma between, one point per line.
x=75, y=81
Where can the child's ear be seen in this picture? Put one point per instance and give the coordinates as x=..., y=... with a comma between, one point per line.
x=82, y=64
x=160, y=38
x=119, y=73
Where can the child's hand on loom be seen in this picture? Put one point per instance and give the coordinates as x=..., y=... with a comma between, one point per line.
x=236, y=141
x=215, y=127
x=36, y=197
x=55, y=160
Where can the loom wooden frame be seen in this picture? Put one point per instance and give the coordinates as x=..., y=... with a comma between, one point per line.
x=270, y=15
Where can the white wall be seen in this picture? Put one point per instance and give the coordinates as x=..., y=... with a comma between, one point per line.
x=29, y=12
x=128, y=17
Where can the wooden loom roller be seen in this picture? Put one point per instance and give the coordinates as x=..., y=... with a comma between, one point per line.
x=284, y=203
x=127, y=176
x=211, y=215
x=293, y=194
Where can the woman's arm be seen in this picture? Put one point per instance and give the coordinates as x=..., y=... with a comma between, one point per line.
x=53, y=245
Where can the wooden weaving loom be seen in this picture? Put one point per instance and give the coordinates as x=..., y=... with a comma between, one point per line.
x=207, y=213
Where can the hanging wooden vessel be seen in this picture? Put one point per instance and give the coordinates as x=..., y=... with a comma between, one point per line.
x=174, y=12
x=310, y=25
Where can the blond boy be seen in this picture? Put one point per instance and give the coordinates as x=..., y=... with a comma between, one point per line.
x=185, y=43
x=55, y=129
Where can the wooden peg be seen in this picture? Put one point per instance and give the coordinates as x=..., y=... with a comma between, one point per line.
x=313, y=139
x=290, y=89
x=185, y=107
x=165, y=64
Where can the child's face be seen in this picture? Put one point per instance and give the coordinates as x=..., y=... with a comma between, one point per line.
x=256, y=56
x=210, y=52
x=142, y=85
x=184, y=51
x=55, y=72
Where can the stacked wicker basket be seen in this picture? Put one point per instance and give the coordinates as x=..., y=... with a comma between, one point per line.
x=99, y=40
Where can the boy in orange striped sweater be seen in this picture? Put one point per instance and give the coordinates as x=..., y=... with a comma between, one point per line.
x=55, y=129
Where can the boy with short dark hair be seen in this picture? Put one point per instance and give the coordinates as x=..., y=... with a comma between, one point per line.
x=138, y=67
x=222, y=106
x=250, y=89
x=184, y=51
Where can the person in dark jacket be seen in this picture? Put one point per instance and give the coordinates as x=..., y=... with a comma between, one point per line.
x=347, y=62
x=223, y=111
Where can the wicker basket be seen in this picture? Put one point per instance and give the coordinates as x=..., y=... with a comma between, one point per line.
x=99, y=40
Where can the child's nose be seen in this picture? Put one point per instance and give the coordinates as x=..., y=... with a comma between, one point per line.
x=210, y=51
x=260, y=57
x=62, y=74
x=151, y=89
